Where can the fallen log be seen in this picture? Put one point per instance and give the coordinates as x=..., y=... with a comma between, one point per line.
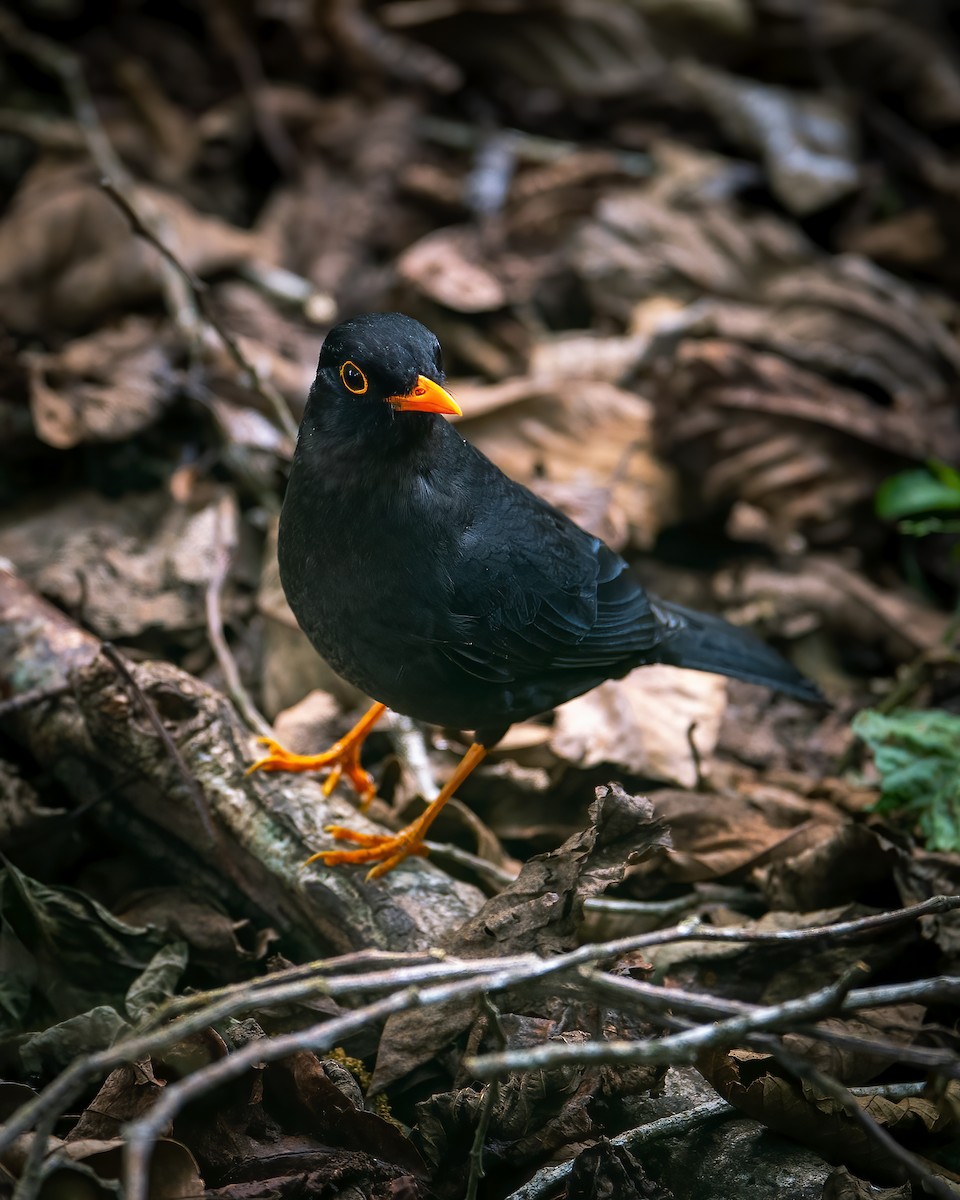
x=186, y=800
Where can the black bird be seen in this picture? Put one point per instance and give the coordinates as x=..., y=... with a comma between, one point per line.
x=433, y=582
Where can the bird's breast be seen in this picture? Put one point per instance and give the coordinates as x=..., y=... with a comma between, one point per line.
x=361, y=569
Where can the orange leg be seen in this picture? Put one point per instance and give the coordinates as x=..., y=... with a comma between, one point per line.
x=343, y=758
x=387, y=850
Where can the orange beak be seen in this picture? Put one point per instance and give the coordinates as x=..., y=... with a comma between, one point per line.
x=426, y=396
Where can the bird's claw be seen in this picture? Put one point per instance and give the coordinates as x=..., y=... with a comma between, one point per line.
x=342, y=759
x=384, y=850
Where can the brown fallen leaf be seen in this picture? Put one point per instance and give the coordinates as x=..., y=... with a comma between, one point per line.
x=446, y=266
x=847, y=860
x=606, y=1169
x=726, y=835
x=757, y=1085
x=305, y=1093
x=842, y=1185
x=644, y=723
x=173, y=1173
x=104, y=387
x=126, y=1094
x=897, y=1024
x=795, y=381
x=127, y=566
x=604, y=49
x=68, y=255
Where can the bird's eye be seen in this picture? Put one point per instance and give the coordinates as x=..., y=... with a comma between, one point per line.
x=353, y=378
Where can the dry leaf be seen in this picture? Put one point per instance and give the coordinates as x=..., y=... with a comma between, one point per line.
x=644, y=723
x=101, y=388
x=444, y=266
x=807, y=141
x=718, y=835
x=68, y=255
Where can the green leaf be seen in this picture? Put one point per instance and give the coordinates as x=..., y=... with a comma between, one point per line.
x=52, y=1049
x=157, y=982
x=914, y=492
x=918, y=756
x=945, y=473
x=62, y=953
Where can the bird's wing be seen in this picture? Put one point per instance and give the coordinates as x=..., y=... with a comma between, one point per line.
x=536, y=593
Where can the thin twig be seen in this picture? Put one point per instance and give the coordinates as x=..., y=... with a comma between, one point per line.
x=194, y=790
x=142, y=1134
x=491, y=1093
x=914, y=1166
x=223, y=557
x=433, y=979
x=31, y=1173
x=677, y=1048
x=25, y=700
x=198, y=288
x=548, y=1178
x=676, y=1125
x=636, y=994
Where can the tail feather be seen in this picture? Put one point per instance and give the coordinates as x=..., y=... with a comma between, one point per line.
x=702, y=642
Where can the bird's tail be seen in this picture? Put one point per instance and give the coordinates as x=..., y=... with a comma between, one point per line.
x=702, y=642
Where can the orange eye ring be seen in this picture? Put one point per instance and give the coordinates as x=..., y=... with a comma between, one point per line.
x=353, y=378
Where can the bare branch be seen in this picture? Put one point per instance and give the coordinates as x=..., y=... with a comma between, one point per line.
x=676, y=1048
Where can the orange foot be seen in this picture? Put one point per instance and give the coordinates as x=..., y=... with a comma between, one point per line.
x=386, y=850
x=342, y=759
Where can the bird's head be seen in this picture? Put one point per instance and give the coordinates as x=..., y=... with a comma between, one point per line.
x=375, y=366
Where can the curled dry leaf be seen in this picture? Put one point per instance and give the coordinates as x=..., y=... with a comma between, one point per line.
x=757, y=1086
x=315, y=1097
x=595, y=50
x=606, y=1169
x=842, y=1185
x=446, y=267
x=645, y=723
x=173, y=1174
x=719, y=835
x=798, y=384
x=126, y=1094
x=847, y=860
x=101, y=388
x=894, y=1025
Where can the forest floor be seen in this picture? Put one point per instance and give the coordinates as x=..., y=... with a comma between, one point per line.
x=693, y=267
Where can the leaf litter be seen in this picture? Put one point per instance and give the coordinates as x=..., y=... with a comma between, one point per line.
x=691, y=266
